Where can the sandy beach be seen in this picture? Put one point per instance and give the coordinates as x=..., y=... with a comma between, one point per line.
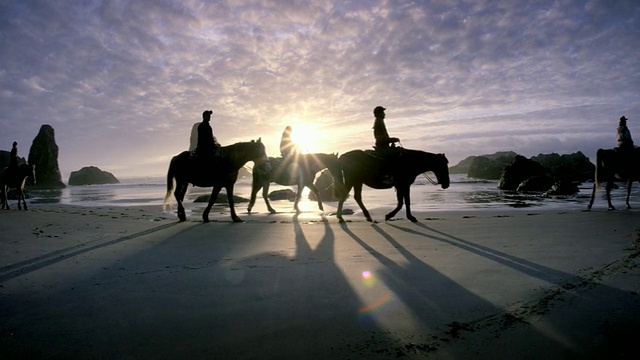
x=134, y=283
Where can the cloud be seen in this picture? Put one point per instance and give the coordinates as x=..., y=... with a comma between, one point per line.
x=123, y=82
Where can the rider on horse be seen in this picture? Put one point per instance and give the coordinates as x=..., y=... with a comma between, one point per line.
x=12, y=169
x=625, y=147
x=385, y=145
x=289, y=151
x=207, y=147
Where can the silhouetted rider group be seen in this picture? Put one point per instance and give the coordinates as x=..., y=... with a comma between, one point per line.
x=384, y=148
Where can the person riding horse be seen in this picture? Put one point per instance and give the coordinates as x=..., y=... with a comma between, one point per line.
x=625, y=147
x=12, y=169
x=289, y=151
x=208, y=146
x=385, y=145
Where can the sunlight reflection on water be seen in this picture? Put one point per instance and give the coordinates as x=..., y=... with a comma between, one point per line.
x=462, y=194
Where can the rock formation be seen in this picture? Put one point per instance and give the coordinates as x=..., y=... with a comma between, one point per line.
x=44, y=155
x=497, y=161
x=520, y=170
x=91, y=175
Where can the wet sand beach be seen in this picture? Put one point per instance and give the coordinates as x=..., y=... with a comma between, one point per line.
x=133, y=283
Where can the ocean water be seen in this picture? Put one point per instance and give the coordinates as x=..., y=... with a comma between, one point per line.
x=463, y=194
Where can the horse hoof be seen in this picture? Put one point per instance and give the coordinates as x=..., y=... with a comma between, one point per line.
x=238, y=220
x=611, y=208
x=412, y=218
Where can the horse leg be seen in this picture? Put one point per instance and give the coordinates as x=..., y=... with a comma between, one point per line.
x=400, y=198
x=315, y=191
x=255, y=187
x=3, y=198
x=609, y=186
x=407, y=204
x=22, y=197
x=593, y=195
x=297, y=199
x=357, y=195
x=212, y=200
x=178, y=193
x=629, y=185
x=343, y=197
x=265, y=196
x=232, y=207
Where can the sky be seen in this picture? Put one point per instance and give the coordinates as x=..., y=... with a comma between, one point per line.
x=123, y=82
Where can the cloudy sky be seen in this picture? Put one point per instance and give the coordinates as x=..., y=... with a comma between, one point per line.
x=122, y=82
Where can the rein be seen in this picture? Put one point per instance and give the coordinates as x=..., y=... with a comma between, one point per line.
x=433, y=182
x=429, y=179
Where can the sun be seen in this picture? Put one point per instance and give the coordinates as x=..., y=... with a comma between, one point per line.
x=306, y=137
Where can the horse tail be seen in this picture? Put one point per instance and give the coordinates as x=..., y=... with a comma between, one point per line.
x=171, y=180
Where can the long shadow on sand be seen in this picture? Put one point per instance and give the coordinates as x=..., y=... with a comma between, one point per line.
x=197, y=294
x=567, y=289
x=27, y=266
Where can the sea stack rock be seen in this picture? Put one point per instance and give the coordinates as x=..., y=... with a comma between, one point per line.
x=44, y=155
x=91, y=175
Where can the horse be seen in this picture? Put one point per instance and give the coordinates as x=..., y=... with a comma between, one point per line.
x=8, y=180
x=610, y=167
x=367, y=167
x=308, y=166
x=219, y=172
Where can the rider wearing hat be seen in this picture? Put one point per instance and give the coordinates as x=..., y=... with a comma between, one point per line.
x=385, y=146
x=623, y=135
x=625, y=149
x=207, y=144
x=383, y=141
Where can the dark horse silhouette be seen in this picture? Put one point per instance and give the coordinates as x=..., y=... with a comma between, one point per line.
x=366, y=167
x=9, y=180
x=218, y=173
x=308, y=167
x=610, y=166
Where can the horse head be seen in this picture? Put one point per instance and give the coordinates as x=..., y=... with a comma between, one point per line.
x=30, y=172
x=260, y=157
x=441, y=169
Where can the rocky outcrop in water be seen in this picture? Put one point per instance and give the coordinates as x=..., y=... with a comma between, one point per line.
x=520, y=170
x=551, y=173
x=91, y=175
x=44, y=155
